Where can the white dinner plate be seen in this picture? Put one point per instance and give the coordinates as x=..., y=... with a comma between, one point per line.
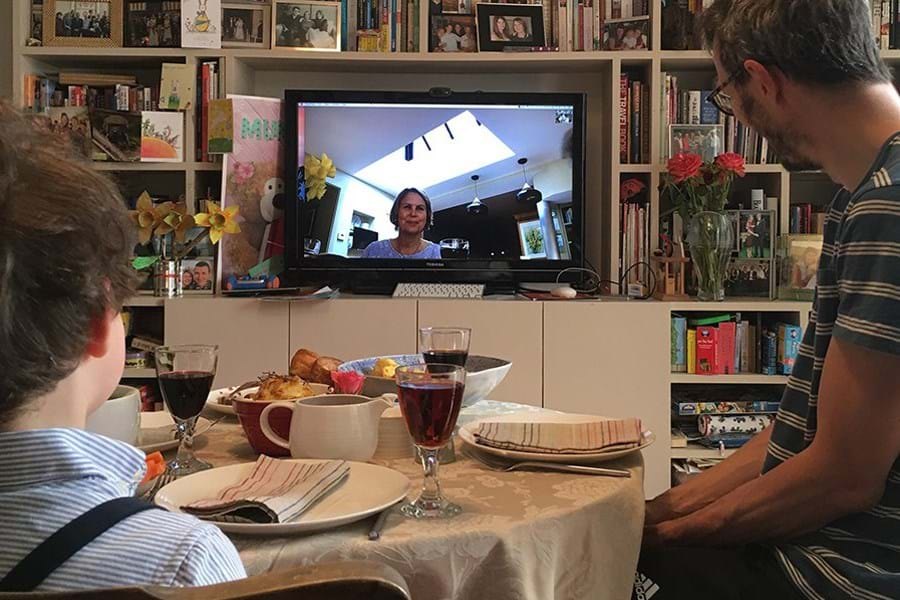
x=369, y=489
x=158, y=431
x=212, y=401
x=466, y=433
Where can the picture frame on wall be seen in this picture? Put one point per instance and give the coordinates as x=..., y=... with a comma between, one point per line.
x=246, y=25
x=708, y=141
x=531, y=236
x=152, y=23
x=83, y=23
x=798, y=258
x=307, y=25
x=509, y=27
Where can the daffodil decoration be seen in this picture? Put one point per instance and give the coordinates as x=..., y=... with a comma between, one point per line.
x=148, y=217
x=177, y=221
x=219, y=221
x=317, y=170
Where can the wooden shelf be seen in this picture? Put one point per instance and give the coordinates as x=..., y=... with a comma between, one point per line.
x=113, y=166
x=685, y=60
x=739, y=379
x=637, y=168
x=145, y=301
x=139, y=374
x=702, y=452
x=741, y=305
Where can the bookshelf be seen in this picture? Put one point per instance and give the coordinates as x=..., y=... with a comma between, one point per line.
x=740, y=379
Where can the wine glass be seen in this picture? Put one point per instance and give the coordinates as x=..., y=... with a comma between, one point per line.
x=430, y=398
x=185, y=376
x=445, y=345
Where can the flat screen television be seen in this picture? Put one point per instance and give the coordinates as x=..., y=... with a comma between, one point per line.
x=501, y=176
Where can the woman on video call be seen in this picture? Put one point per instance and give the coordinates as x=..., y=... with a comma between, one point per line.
x=411, y=215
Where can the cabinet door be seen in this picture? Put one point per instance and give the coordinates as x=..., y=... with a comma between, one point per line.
x=612, y=359
x=354, y=328
x=505, y=329
x=252, y=335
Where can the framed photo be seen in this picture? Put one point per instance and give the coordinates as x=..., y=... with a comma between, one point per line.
x=706, y=140
x=509, y=26
x=245, y=25
x=198, y=275
x=798, y=257
x=749, y=278
x=531, y=236
x=307, y=25
x=85, y=23
x=153, y=23
x=627, y=34
x=453, y=33
x=461, y=7
x=755, y=234
x=36, y=29
x=73, y=122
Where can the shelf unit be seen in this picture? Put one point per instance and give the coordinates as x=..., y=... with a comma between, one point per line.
x=139, y=374
x=698, y=452
x=739, y=379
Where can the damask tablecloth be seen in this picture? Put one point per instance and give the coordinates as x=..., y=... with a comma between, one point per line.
x=522, y=536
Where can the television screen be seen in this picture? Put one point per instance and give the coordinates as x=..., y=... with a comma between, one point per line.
x=475, y=181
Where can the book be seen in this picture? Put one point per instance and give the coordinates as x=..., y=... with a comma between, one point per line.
x=685, y=409
x=95, y=79
x=769, y=353
x=176, y=89
x=162, y=136
x=679, y=342
x=145, y=342
x=725, y=355
x=692, y=351
x=788, y=347
x=707, y=350
x=714, y=320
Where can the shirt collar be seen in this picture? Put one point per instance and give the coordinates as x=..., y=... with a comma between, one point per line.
x=41, y=456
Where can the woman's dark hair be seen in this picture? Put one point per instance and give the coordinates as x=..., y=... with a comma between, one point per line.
x=65, y=245
x=818, y=42
x=395, y=209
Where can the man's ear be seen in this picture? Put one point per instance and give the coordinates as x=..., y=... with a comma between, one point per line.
x=98, y=343
x=769, y=81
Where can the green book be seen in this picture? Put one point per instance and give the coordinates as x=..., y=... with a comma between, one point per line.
x=712, y=320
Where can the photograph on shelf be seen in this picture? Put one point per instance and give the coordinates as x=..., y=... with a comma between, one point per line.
x=798, y=256
x=531, y=236
x=734, y=217
x=117, y=134
x=509, y=27
x=36, y=31
x=462, y=7
x=162, y=136
x=627, y=34
x=153, y=23
x=755, y=234
x=198, y=275
x=245, y=25
x=176, y=87
x=749, y=279
x=706, y=140
x=201, y=23
x=453, y=33
x=85, y=23
x=72, y=122
x=307, y=25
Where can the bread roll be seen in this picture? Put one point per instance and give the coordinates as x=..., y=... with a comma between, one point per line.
x=302, y=363
x=321, y=370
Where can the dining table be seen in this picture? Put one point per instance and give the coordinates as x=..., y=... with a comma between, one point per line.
x=522, y=535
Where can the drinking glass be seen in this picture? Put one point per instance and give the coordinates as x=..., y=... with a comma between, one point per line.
x=430, y=398
x=185, y=376
x=445, y=345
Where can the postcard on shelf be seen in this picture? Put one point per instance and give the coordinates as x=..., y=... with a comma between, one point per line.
x=176, y=88
x=201, y=24
x=117, y=134
x=162, y=136
x=73, y=122
x=220, y=134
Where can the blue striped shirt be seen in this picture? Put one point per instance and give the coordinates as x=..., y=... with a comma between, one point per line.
x=857, y=301
x=50, y=476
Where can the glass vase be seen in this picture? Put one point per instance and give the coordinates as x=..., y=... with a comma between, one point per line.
x=167, y=278
x=711, y=240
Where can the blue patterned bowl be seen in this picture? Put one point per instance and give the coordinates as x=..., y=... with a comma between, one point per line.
x=483, y=374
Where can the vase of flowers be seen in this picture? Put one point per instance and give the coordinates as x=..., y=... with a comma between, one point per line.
x=699, y=192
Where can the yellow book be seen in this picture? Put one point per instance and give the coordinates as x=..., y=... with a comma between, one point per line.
x=692, y=351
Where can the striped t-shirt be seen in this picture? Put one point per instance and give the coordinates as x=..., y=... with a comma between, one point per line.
x=50, y=476
x=857, y=301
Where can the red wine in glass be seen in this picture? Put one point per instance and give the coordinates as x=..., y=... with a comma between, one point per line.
x=430, y=410
x=185, y=392
x=446, y=357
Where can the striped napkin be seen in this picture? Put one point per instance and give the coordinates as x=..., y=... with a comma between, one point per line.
x=561, y=438
x=275, y=491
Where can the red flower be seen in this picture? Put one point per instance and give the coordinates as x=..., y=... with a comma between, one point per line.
x=733, y=162
x=348, y=382
x=631, y=188
x=684, y=166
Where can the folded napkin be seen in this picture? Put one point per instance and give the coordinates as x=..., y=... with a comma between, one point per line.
x=275, y=491
x=561, y=438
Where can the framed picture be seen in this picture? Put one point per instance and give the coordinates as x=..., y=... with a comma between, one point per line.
x=153, y=23
x=749, y=278
x=36, y=30
x=798, y=257
x=531, y=236
x=755, y=234
x=198, y=275
x=245, y=25
x=509, y=26
x=706, y=140
x=307, y=25
x=461, y=7
x=626, y=34
x=453, y=33
x=201, y=23
x=85, y=23
x=73, y=122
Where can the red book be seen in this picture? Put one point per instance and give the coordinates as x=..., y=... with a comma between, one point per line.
x=725, y=357
x=623, y=119
x=707, y=345
x=204, y=109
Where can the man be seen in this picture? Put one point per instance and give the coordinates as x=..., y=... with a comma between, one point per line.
x=810, y=508
x=202, y=279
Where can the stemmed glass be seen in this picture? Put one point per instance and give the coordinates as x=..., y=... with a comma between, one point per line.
x=445, y=345
x=430, y=398
x=185, y=377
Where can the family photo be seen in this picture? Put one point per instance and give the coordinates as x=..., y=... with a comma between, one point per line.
x=626, y=35
x=243, y=26
x=453, y=33
x=197, y=275
x=755, y=235
x=153, y=24
x=705, y=140
x=307, y=25
x=749, y=278
x=511, y=28
x=82, y=19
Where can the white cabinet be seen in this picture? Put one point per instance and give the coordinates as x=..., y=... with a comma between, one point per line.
x=612, y=359
x=504, y=329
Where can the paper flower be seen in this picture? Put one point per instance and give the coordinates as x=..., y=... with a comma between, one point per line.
x=148, y=217
x=317, y=170
x=176, y=220
x=219, y=221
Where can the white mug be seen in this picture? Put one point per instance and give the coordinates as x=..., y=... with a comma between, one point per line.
x=335, y=426
x=119, y=417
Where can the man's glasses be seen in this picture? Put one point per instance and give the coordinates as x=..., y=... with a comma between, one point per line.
x=720, y=99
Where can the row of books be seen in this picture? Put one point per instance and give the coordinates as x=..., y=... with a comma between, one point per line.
x=208, y=88
x=886, y=23
x=43, y=92
x=728, y=345
x=585, y=25
x=634, y=120
x=634, y=241
x=803, y=219
x=382, y=25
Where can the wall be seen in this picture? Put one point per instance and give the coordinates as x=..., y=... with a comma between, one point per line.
x=6, y=45
x=358, y=196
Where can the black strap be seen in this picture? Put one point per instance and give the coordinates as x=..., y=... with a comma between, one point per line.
x=50, y=554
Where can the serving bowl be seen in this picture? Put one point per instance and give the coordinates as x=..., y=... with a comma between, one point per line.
x=248, y=412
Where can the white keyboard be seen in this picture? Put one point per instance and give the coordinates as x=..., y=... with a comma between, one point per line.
x=439, y=290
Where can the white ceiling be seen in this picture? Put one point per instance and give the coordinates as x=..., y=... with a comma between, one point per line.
x=356, y=137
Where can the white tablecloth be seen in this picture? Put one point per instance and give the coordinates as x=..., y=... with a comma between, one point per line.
x=522, y=535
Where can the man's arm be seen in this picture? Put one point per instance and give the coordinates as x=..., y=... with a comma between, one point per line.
x=842, y=472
